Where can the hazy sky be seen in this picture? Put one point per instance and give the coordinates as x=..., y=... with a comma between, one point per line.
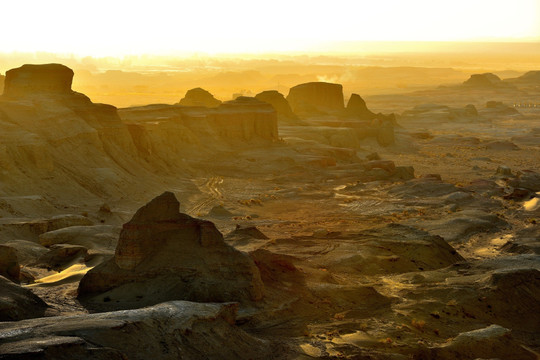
x=118, y=27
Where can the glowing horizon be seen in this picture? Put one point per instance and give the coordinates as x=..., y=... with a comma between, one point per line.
x=116, y=28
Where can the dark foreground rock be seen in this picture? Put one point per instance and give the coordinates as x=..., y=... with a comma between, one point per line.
x=172, y=330
x=165, y=255
x=17, y=303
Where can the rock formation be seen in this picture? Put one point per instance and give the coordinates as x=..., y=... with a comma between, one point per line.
x=9, y=264
x=243, y=119
x=441, y=113
x=199, y=97
x=278, y=101
x=316, y=97
x=172, y=330
x=356, y=106
x=17, y=303
x=483, y=80
x=530, y=77
x=37, y=79
x=164, y=255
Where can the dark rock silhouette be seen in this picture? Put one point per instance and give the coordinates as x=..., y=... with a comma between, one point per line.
x=18, y=303
x=199, y=97
x=356, y=106
x=278, y=101
x=316, y=97
x=483, y=80
x=9, y=263
x=172, y=330
x=165, y=255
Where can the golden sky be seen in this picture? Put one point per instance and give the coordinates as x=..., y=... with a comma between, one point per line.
x=119, y=27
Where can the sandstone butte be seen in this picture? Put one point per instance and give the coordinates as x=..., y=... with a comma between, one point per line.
x=165, y=255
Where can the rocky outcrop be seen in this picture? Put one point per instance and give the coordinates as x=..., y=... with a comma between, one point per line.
x=316, y=97
x=483, y=80
x=199, y=97
x=278, y=101
x=178, y=127
x=32, y=79
x=9, y=264
x=530, y=77
x=18, y=303
x=356, y=106
x=172, y=330
x=491, y=342
x=165, y=255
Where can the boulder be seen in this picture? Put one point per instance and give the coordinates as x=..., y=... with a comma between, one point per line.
x=172, y=330
x=62, y=256
x=278, y=101
x=9, y=264
x=199, y=97
x=92, y=237
x=491, y=342
x=460, y=226
x=165, y=255
x=32, y=79
x=26, y=251
x=527, y=179
x=18, y=303
x=316, y=96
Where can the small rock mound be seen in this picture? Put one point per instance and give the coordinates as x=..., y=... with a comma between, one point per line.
x=165, y=255
x=247, y=231
x=32, y=79
x=199, y=97
x=278, y=101
x=483, y=80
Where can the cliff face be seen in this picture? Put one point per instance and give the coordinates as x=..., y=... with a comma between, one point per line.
x=316, y=97
x=160, y=129
x=31, y=79
x=55, y=138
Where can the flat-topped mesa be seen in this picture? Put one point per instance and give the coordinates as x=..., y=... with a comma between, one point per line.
x=314, y=97
x=483, y=80
x=165, y=255
x=278, y=101
x=32, y=79
x=199, y=97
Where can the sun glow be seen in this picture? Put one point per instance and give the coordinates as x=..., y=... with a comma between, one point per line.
x=168, y=27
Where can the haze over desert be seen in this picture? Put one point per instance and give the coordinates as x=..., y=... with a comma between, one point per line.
x=287, y=180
